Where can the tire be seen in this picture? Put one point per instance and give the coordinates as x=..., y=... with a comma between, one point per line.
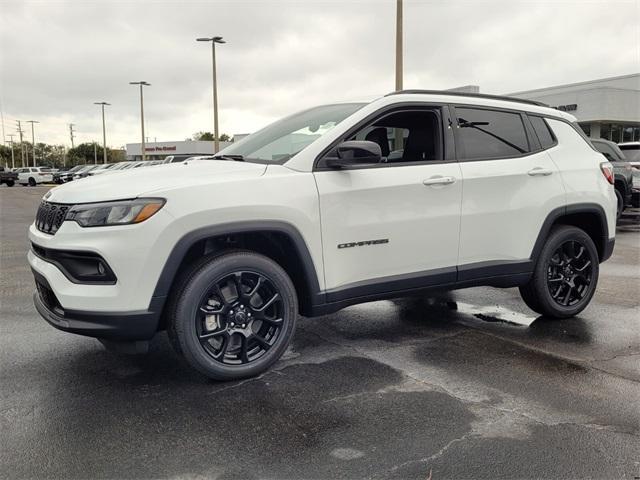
x=10, y=183
x=32, y=182
x=241, y=340
x=567, y=268
x=620, y=204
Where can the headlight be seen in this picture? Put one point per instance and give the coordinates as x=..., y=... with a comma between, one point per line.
x=114, y=213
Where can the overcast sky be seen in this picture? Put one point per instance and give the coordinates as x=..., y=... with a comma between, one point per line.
x=58, y=57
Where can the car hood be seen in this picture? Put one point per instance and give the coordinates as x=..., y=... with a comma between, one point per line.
x=151, y=180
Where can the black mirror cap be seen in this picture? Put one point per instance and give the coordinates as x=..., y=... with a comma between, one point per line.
x=355, y=152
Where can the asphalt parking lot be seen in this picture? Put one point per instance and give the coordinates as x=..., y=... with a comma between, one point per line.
x=467, y=385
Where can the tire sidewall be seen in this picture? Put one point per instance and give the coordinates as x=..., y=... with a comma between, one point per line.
x=556, y=239
x=192, y=295
x=619, y=203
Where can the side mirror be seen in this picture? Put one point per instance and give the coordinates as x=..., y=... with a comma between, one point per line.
x=355, y=152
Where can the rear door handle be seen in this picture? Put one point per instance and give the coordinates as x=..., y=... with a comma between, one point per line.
x=439, y=181
x=539, y=172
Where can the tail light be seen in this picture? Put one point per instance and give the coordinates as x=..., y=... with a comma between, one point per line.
x=607, y=171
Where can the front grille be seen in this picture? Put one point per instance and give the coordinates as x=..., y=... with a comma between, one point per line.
x=50, y=216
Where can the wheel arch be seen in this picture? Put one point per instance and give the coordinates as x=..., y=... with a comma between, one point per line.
x=589, y=217
x=280, y=241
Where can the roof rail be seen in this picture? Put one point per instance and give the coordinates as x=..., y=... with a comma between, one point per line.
x=473, y=95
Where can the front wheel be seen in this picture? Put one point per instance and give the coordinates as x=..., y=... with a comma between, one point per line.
x=234, y=315
x=10, y=183
x=565, y=275
x=32, y=182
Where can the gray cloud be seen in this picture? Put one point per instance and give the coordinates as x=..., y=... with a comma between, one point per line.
x=57, y=57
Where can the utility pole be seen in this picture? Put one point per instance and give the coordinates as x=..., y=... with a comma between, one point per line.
x=21, y=143
x=71, y=125
x=95, y=153
x=13, y=160
x=214, y=40
x=104, y=132
x=33, y=140
x=399, y=66
x=142, y=84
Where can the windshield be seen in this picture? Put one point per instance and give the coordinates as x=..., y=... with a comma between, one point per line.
x=281, y=140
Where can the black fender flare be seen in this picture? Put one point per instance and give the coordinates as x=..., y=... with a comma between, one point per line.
x=604, y=244
x=180, y=249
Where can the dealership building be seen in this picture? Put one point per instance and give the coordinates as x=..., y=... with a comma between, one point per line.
x=607, y=108
x=159, y=150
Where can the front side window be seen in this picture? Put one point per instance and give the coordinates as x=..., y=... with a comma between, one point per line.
x=281, y=140
x=486, y=134
x=406, y=136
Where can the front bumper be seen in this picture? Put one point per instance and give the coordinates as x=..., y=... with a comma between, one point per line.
x=120, y=326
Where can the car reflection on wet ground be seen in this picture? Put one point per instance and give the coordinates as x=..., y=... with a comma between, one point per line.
x=468, y=384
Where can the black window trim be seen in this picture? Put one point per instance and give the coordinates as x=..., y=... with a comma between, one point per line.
x=460, y=148
x=553, y=134
x=448, y=145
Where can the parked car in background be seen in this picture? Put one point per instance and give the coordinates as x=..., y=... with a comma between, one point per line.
x=176, y=158
x=631, y=151
x=64, y=176
x=8, y=177
x=32, y=176
x=83, y=172
x=623, y=172
x=100, y=169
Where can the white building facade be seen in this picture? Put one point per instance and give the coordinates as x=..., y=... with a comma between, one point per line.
x=607, y=108
x=159, y=150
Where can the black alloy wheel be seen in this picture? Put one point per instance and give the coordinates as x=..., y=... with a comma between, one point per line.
x=232, y=314
x=565, y=275
x=239, y=318
x=569, y=273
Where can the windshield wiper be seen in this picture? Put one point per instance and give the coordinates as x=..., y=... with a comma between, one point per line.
x=237, y=158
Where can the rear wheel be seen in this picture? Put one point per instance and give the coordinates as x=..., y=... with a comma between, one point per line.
x=565, y=276
x=32, y=182
x=10, y=183
x=234, y=315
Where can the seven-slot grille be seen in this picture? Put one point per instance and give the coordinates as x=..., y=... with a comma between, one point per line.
x=50, y=216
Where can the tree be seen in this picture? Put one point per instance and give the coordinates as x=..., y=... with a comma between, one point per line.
x=208, y=136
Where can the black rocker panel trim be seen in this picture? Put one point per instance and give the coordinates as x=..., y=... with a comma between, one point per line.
x=177, y=255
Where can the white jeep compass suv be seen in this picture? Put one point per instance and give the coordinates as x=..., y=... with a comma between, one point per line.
x=333, y=206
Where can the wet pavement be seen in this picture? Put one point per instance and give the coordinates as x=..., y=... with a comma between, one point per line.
x=469, y=384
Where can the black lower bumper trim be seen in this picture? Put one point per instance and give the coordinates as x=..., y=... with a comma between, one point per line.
x=141, y=325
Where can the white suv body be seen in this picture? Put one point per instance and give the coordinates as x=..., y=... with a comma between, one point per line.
x=478, y=189
x=34, y=175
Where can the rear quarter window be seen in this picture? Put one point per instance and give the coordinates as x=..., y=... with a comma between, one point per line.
x=543, y=131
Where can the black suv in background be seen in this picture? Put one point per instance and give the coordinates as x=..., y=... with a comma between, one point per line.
x=623, y=172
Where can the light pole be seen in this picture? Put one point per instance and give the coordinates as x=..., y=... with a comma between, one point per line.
x=13, y=159
x=104, y=131
x=142, y=84
x=399, y=65
x=214, y=40
x=33, y=140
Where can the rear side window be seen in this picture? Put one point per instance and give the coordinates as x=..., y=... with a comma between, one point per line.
x=542, y=131
x=486, y=134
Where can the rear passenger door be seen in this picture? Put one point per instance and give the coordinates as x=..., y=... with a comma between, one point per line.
x=510, y=184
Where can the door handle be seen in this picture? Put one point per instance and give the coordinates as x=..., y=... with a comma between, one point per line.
x=439, y=181
x=539, y=172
